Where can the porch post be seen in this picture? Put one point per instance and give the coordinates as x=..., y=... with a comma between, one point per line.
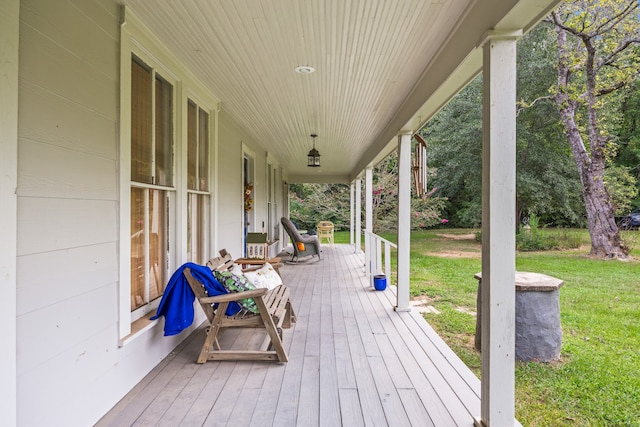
x=9, y=30
x=498, y=224
x=368, y=220
x=358, y=214
x=352, y=213
x=404, y=220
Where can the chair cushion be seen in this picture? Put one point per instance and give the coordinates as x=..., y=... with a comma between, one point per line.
x=236, y=269
x=237, y=283
x=264, y=277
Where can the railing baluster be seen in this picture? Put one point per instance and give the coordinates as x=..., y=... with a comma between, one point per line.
x=374, y=250
x=378, y=256
x=387, y=261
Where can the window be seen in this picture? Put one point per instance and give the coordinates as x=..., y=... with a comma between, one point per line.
x=152, y=188
x=163, y=224
x=198, y=195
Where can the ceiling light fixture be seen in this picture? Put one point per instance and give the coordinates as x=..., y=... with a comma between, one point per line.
x=313, y=158
x=304, y=69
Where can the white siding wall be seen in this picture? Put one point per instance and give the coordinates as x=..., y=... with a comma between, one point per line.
x=230, y=185
x=9, y=22
x=70, y=367
x=67, y=228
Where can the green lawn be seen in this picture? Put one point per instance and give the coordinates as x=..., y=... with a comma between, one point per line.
x=597, y=380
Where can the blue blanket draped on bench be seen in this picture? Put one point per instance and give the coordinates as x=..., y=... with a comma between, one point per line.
x=177, y=301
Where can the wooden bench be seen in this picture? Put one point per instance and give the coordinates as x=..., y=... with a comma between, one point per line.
x=275, y=313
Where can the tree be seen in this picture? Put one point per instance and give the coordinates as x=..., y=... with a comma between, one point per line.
x=547, y=182
x=454, y=152
x=425, y=210
x=595, y=58
x=311, y=203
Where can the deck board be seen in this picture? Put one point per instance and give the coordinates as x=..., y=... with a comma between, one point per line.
x=353, y=361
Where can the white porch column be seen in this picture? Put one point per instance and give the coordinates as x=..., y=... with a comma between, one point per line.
x=352, y=213
x=9, y=27
x=498, y=225
x=404, y=220
x=358, y=214
x=368, y=219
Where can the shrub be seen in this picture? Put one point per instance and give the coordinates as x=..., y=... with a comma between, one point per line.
x=533, y=238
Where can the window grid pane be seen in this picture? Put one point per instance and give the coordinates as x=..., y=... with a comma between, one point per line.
x=152, y=161
x=148, y=274
x=192, y=145
x=137, y=248
x=164, y=132
x=203, y=151
x=141, y=123
x=158, y=242
x=197, y=227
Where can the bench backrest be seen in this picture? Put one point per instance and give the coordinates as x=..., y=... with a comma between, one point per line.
x=221, y=263
x=200, y=292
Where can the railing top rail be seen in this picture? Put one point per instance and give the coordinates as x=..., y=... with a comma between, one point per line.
x=375, y=236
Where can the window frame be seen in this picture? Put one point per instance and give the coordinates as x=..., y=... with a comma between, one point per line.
x=136, y=41
x=157, y=70
x=273, y=178
x=206, y=194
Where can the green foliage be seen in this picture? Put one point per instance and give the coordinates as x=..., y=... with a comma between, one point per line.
x=597, y=56
x=622, y=188
x=312, y=203
x=454, y=152
x=547, y=181
x=630, y=239
x=425, y=210
x=629, y=134
x=532, y=237
x=602, y=38
x=548, y=184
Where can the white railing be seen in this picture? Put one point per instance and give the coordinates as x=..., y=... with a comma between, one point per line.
x=375, y=256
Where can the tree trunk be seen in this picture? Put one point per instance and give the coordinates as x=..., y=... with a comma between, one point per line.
x=605, y=237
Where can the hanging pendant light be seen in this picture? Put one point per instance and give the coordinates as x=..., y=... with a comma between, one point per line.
x=313, y=158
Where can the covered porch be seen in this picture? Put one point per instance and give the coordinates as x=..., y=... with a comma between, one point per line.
x=353, y=360
x=114, y=112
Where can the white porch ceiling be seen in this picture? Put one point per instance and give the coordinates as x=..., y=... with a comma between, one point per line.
x=382, y=67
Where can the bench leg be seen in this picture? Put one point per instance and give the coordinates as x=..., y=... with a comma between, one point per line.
x=289, y=317
x=212, y=334
x=276, y=340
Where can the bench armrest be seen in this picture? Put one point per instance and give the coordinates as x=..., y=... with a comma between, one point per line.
x=233, y=296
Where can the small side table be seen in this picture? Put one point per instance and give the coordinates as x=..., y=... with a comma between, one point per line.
x=537, y=316
x=251, y=262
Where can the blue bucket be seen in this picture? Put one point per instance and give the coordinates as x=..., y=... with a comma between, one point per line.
x=380, y=282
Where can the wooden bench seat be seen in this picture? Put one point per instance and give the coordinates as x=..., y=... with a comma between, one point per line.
x=274, y=313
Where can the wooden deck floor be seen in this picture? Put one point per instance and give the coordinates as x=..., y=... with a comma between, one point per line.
x=353, y=361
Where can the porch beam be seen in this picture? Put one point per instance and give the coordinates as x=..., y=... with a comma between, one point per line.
x=368, y=219
x=498, y=222
x=404, y=221
x=9, y=48
x=358, y=214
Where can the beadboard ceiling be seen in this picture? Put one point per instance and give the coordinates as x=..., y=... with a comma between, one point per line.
x=382, y=67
